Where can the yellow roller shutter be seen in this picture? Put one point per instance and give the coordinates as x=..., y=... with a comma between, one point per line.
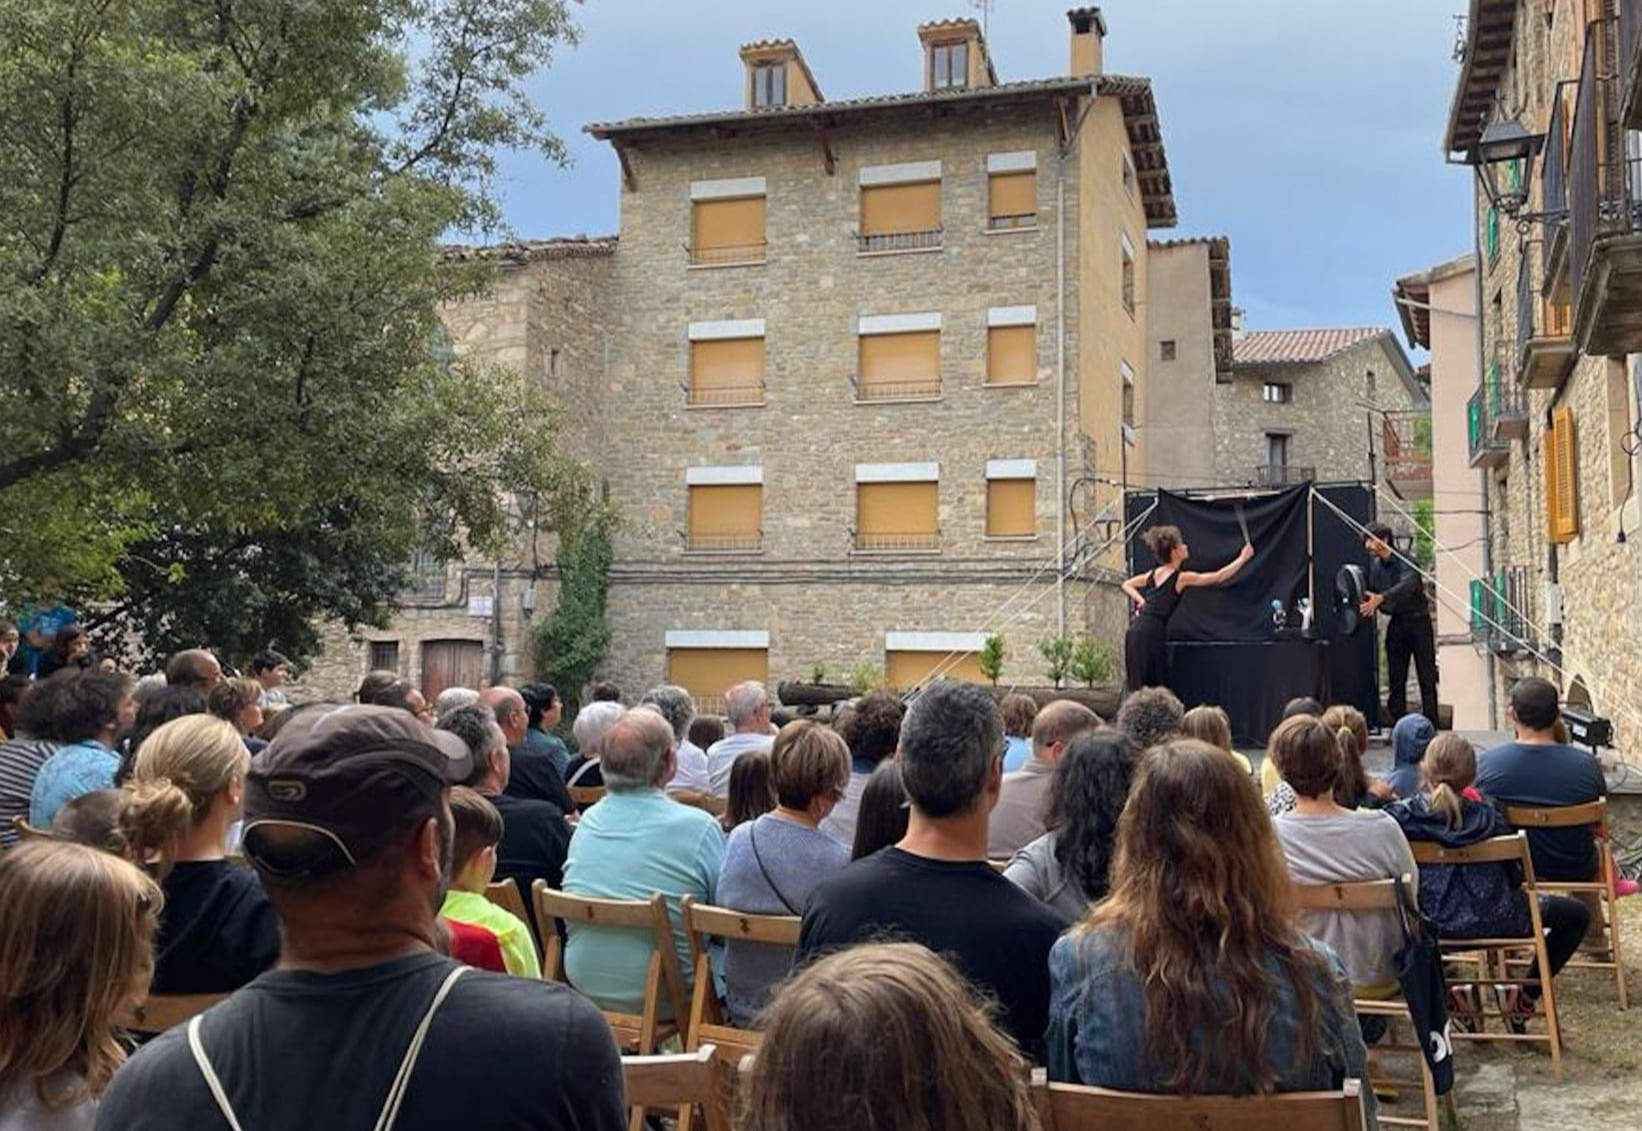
x=1011, y=508
x=1565, y=484
x=727, y=371
x=911, y=669
x=901, y=364
x=897, y=516
x=1012, y=199
x=894, y=209
x=1011, y=354
x=727, y=231
x=707, y=673
x=726, y=517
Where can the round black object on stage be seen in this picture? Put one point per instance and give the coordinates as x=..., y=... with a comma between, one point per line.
x=1349, y=588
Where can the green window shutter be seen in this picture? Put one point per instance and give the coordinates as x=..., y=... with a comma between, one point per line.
x=1477, y=599
x=1495, y=393
x=1473, y=424
x=1516, y=175
x=1492, y=241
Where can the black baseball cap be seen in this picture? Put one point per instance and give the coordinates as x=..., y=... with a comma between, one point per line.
x=355, y=775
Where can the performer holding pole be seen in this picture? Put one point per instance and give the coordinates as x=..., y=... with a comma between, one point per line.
x=1395, y=589
x=1156, y=594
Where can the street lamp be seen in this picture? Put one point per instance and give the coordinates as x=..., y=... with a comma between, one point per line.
x=1505, y=144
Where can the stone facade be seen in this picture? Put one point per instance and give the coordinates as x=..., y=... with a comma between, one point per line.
x=1177, y=429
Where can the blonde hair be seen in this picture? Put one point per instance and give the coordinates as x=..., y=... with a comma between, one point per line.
x=884, y=1037
x=806, y=761
x=232, y=696
x=1208, y=724
x=179, y=772
x=1351, y=728
x=76, y=947
x=1449, y=767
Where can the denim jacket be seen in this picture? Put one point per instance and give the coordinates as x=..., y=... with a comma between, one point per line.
x=1097, y=1026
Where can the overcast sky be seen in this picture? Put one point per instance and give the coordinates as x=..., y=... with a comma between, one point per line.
x=1309, y=131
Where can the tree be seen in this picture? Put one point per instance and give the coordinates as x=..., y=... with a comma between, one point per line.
x=1057, y=653
x=220, y=278
x=1091, y=661
x=575, y=638
x=991, y=657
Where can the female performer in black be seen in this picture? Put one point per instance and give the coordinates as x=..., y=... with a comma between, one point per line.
x=1156, y=594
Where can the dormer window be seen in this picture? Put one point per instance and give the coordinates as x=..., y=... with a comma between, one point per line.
x=949, y=66
x=769, y=85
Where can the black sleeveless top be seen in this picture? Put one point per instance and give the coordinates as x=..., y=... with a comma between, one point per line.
x=1162, y=600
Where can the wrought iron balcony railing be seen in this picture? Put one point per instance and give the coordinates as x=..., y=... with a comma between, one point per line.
x=926, y=240
x=1282, y=475
x=723, y=396
x=1406, y=439
x=884, y=542
x=913, y=389
x=725, y=255
x=744, y=543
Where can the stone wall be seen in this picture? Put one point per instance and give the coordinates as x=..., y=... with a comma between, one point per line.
x=1178, y=428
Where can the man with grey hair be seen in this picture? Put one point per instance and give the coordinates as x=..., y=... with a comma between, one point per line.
x=635, y=842
x=674, y=704
x=935, y=887
x=535, y=775
x=1150, y=716
x=586, y=770
x=535, y=834
x=748, y=706
x=451, y=698
x=1018, y=819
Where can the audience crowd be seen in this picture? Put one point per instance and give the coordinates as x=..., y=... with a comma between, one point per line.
x=978, y=886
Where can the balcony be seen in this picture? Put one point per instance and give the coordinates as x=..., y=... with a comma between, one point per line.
x=1507, y=407
x=723, y=396
x=1545, y=348
x=1406, y=439
x=1282, y=475
x=1630, y=63
x=1484, y=447
x=1013, y=222
x=744, y=543
x=872, y=390
x=1499, y=610
x=726, y=255
x=880, y=542
x=1605, y=219
x=1554, y=191
x=887, y=242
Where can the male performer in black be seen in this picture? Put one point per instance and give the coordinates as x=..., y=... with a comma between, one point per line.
x=1396, y=589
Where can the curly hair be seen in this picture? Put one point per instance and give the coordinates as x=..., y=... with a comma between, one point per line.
x=1086, y=798
x=1162, y=542
x=1150, y=716
x=873, y=728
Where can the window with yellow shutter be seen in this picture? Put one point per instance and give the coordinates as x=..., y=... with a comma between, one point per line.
x=913, y=659
x=727, y=222
x=900, y=207
x=1561, y=477
x=726, y=363
x=726, y=511
x=1011, y=191
x=897, y=507
x=707, y=663
x=1012, y=345
x=1011, y=498
x=899, y=357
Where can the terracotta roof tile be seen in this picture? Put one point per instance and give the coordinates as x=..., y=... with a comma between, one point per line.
x=1298, y=347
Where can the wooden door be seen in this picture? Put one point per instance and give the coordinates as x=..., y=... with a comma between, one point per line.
x=451, y=663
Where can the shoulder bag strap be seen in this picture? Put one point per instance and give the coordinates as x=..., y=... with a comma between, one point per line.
x=211, y=1081
x=752, y=839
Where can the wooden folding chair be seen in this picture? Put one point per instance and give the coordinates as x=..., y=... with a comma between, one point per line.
x=27, y=832
x=709, y=1022
x=700, y=1078
x=158, y=1012
x=505, y=894
x=1072, y=1107
x=585, y=795
x=703, y=801
x=1489, y=958
x=1598, y=892
x=998, y=865
x=1373, y=896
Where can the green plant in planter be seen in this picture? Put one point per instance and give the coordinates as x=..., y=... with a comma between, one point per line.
x=990, y=658
x=1057, y=654
x=867, y=676
x=1091, y=661
x=818, y=674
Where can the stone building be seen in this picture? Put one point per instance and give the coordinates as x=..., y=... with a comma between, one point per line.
x=1189, y=357
x=1553, y=419
x=855, y=373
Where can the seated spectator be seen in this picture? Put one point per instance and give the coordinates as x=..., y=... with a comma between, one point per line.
x=270, y=670
x=752, y=790
x=1356, y=788
x=1018, y=713
x=239, y=703
x=217, y=929
x=157, y=706
x=193, y=667
x=1409, y=739
x=870, y=729
x=706, y=730
x=1067, y=866
x=472, y=945
x=1212, y=725
x=10, y=640
x=932, y=886
x=533, y=774
x=1301, y=705
x=374, y=682
x=1279, y=797
x=1324, y=843
x=603, y=691
x=749, y=708
x=1479, y=901
x=543, y=710
x=772, y=863
x=882, y=816
x=74, y=954
x=1018, y=818
x=586, y=770
x=93, y=819
x=1193, y=976
x=676, y=706
x=535, y=834
x=70, y=650
x=634, y=843
x=401, y=695
x=451, y=698
x=345, y=819
x=883, y=1038
x=476, y=831
x=30, y=748
x=1538, y=771
x=1150, y=716
x=94, y=711
x=12, y=688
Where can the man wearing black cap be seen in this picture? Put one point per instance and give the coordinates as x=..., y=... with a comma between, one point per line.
x=363, y=1023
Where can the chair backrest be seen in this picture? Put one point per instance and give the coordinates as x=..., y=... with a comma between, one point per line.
x=650, y=915
x=505, y=894
x=1511, y=848
x=26, y=831
x=159, y=1012
x=585, y=795
x=703, y=923
x=701, y=1078
x=703, y=801
x=1367, y=895
x=1070, y=1107
x=1559, y=817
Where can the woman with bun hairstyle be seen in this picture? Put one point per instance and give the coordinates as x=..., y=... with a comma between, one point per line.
x=187, y=786
x=1156, y=594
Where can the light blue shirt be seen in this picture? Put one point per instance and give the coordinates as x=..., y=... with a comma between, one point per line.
x=631, y=845
x=1015, y=752
x=83, y=767
x=722, y=754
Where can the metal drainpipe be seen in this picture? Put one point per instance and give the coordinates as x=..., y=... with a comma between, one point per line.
x=1482, y=473
x=1060, y=393
x=496, y=623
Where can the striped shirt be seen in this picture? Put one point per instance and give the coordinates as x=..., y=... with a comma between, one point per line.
x=20, y=762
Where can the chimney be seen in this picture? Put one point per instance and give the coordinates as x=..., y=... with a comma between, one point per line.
x=1088, y=41
x=777, y=75
x=955, y=56
x=1239, y=318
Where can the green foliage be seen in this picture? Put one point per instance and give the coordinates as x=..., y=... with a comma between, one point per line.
x=867, y=676
x=991, y=657
x=1057, y=654
x=575, y=638
x=1091, y=662
x=1425, y=533
x=220, y=279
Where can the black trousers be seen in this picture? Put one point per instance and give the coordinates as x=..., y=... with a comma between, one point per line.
x=1565, y=921
x=1411, y=637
